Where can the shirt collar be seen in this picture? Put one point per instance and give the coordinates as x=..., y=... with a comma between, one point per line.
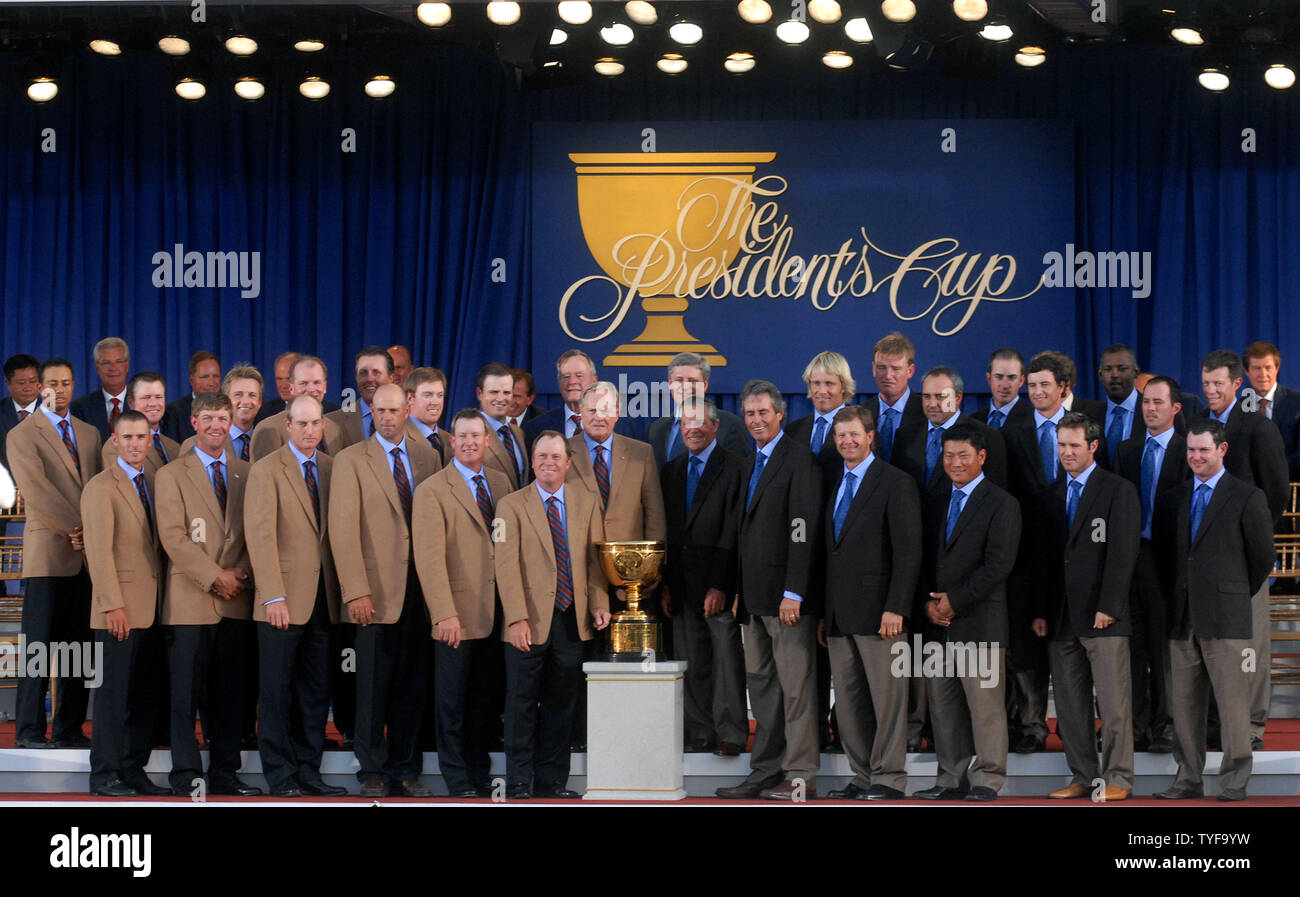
x=108, y=396
x=131, y=472
x=420, y=425
x=302, y=459
x=1163, y=438
x=861, y=469
x=829, y=416
x=29, y=407
x=1269, y=395
x=1129, y=404
x=766, y=451
x=495, y=425
x=235, y=432
x=608, y=444
x=389, y=446
x=969, y=487
x=705, y=452
x=54, y=418
x=1082, y=478
x=900, y=406
x=207, y=459
x=1039, y=420
x=945, y=425
x=1211, y=482
x=1005, y=409
x=466, y=472
x=558, y=493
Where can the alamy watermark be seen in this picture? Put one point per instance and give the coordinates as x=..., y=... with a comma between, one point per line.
x=60, y=660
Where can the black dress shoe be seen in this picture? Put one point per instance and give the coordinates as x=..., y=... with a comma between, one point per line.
x=849, y=792
x=318, y=788
x=232, y=787
x=578, y=747
x=114, y=787
x=414, y=788
x=464, y=793
x=1161, y=744
x=883, y=792
x=248, y=742
x=349, y=741
x=374, y=788
x=557, y=792
x=485, y=790
x=1232, y=794
x=727, y=749
x=750, y=790
x=1028, y=744
x=698, y=746
x=145, y=786
x=1172, y=793
x=981, y=794
x=75, y=740
x=331, y=744
x=938, y=792
x=519, y=792
x=288, y=789
x=34, y=744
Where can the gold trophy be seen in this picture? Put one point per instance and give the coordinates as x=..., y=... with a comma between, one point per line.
x=632, y=565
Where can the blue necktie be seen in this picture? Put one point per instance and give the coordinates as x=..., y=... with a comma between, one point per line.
x=1072, y=501
x=887, y=433
x=819, y=435
x=842, y=509
x=676, y=445
x=954, y=511
x=692, y=479
x=996, y=418
x=760, y=461
x=1115, y=432
x=933, y=449
x=1198, y=509
x=1047, y=450
x=1148, y=481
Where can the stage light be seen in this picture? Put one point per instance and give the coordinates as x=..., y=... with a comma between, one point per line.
x=837, y=59
x=435, y=15
x=739, y=63
x=825, y=11
x=608, y=66
x=314, y=87
x=641, y=12
x=575, y=12
x=106, y=47
x=858, y=30
x=792, y=32
x=42, y=90
x=898, y=10
x=380, y=86
x=174, y=45
x=996, y=32
x=241, y=45
x=1184, y=35
x=503, y=12
x=249, y=88
x=672, y=64
x=558, y=36
x=686, y=33
x=1030, y=57
x=755, y=12
x=191, y=89
x=1214, y=78
x=309, y=45
x=1279, y=76
x=970, y=10
x=617, y=34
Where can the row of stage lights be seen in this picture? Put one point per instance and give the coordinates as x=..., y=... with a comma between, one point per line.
x=1279, y=75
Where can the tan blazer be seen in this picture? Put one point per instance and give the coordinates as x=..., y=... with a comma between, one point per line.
x=186, y=502
x=231, y=448
x=289, y=551
x=350, y=428
x=51, y=487
x=636, y=500
x=454, y=551
x=122, y=550
x=525, y=561
x=153, y=462
x=499, y=459
x=413, y=432
x=367, y=529
x=270, y=435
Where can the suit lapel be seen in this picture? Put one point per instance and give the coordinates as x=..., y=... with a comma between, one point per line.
x=1086, y=501
x=870, y=481
x=54, y=441
x=1218, y=498
x=967, y=512
x=582, y=464
x=128, y=491
x=769, y=471
x=711, y=472
x=298, y=485
x=383, y=474
x=460, y=489
x=195, y=470
x=536, y=510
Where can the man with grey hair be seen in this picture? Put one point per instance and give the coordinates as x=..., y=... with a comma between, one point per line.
x=574, y=372
x=688, y=377
x=100, y=408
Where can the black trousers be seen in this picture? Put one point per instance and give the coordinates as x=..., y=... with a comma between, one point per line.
x=207, y=659
x=293, y=691
x=463, y=708
x=343, y=683
x=55, y=609
x=1027, y=667
x=1149, y=650
x=126, y=704
x=392, y=675
x=542, y=688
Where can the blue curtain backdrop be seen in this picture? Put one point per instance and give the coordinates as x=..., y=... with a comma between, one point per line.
x=398, y=241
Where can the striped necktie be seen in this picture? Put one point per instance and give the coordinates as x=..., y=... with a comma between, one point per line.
x=483, y=500
x=158, y=447
x=601, y=470
x=435, y=442
x=143, y=491
x=313, y=488
x=403, y=484
x=243, y=446
x=509, y=441
x=563, y=573
x=68, y=443
x=219, y=485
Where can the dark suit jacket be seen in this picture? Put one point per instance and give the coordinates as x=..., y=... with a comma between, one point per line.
x=872, y=568
x=1173, y=467
x=1286, y=416
x=8, y=420
x=276, y=405
x=702, y=538
x=1214, y=577
x=909, y=455
x=913, y=411
x=176, y=421
x=828, y=459
x=1018, y=413
x=972, y=566
x=772, y=560
x=1095, y=409
x=1080, y=569
x=92, y=410
x=1256, y=455
x=554, y=420
x=732, y=436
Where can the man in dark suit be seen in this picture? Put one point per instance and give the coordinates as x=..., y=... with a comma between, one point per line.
x=969, y=546
x=205, y=376
x=893, y=364
x=1280, y=404
x=522, y=409
x=1217, y=533
x=918, y=447
x=872, y=527
x=1256, y=455
x=1118, y=370
x=426, y=396
x=23, y=379
x=702, y=488
x=1006, y=376
x=1154, y=460
x=574, y=372
x=688, y=377
x=782, y=500
x=1087, y=527
x=100, y=408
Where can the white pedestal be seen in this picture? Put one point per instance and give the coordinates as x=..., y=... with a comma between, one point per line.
x=634, y=731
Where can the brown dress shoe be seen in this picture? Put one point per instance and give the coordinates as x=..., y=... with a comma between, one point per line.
x=787, y=791
x=1074, y=789
x=727, y=749
x=1114, y=792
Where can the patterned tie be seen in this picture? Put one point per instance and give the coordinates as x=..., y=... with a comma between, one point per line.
x=143, y=491
x=693, y=470
x=1072, y=501
x=509, y=441
x=1047, y=450
x=219, y=485
x=435, y=442
x=954, y=511
x=846, y=499
x=1198, y=509
x=760, y=461
x=996, y=419
x=819, y=435
x=22, y=414
x=1115, y=432
x=602, y=475
x=563, y=573
x=68, y=443
x=577, y=424
x=370, y=427
x=1264, y=405
x=403, y=484
x=158, y=447
x=887, y=433
x=243, y=446
x=676, y=446
x=313, y=488
x=1148, y=480
x=116, y=412
x=933, y=450
x=483, y=500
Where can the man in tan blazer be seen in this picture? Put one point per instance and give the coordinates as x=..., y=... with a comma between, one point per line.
x=374, y=368
x=426, y=395
x=52, y=456
x=553, y=595
x=147, y=393
x=126, y=569
x=454, y=555
x=371, y=500
x=244, y=384
x=308, y=377
x=208, y=601
x=286, y=529
x=507, y=453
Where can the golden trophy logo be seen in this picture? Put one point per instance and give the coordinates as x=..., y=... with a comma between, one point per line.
x=657, y=225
